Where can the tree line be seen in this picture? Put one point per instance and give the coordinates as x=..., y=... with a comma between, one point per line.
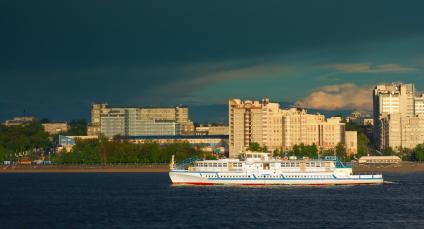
x=104, y=151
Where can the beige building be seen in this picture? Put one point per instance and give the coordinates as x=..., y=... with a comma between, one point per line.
x=398, y=116
x=254, y=121
x=351, y=142
x=212, y=130
x=265, y=123
x=400, y=131
x=55, y=127
x=19, y=121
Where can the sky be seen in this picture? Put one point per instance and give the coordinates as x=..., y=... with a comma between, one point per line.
x=57, y=57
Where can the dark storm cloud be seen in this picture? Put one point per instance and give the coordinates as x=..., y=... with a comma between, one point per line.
x=120, y=51
x=83, y=33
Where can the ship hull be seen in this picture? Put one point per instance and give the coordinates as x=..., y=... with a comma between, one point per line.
x=199, y=178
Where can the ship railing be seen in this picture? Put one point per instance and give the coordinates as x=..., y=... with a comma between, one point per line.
x=367, y=173
x=185, y=163
x=340, y=164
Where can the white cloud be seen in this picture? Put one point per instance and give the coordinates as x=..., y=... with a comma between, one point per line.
x=368, y=68
x=340, y=96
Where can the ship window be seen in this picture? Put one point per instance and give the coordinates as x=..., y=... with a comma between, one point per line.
x=215, y=164
x=249, y=156
x=224, y=164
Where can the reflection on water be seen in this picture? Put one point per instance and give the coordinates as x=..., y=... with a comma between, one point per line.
x=148, y=200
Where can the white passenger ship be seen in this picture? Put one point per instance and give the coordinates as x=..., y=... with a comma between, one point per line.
x=256, y=168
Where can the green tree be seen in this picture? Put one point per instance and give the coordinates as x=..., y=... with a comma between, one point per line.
x=24, y=138
x=341, y=151
x=77, y=128
x=363, y=143
x=328, y=152
x=388, y=151
x=255, y=147
x=419, y=152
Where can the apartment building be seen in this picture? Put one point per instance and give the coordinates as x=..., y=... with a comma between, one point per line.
x=398, y=116
x=265, y=123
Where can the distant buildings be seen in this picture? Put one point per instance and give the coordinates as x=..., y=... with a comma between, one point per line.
x=55, y=127
x=20, y=120
x=66, y=143
x=139, y=121
x=210, y=129
x=265, y=123
x=206, y=143
x=398, y=116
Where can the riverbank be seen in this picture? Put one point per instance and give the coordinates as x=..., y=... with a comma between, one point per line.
x=403, y=167
x=122, y=168
x=160, y=168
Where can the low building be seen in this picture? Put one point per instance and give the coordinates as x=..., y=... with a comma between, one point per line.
x=212, y=130
x=379, y=160
x=67, y=142
x=55, y=127
x=19, y=121
x=367, y=121
x=351, y=142
x=214, y=141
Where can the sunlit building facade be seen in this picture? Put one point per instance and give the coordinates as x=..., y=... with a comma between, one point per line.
x=398, y=116
x=265, y=123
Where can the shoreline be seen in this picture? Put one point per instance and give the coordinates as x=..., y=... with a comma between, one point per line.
x=404, y=167
x=84, y=169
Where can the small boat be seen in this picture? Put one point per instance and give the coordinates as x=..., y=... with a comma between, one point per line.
x=257, y=168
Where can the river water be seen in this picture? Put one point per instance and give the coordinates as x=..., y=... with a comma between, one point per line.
x=148, y=200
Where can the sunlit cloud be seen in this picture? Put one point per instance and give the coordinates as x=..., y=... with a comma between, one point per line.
x=340, y=96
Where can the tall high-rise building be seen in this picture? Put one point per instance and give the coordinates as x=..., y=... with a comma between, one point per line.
x=268, y=125
x=139, y=121
x=398, y=110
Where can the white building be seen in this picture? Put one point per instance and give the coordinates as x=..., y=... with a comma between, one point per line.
x=136, y=121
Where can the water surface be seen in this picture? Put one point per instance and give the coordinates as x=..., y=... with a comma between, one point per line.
x=147, y=200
